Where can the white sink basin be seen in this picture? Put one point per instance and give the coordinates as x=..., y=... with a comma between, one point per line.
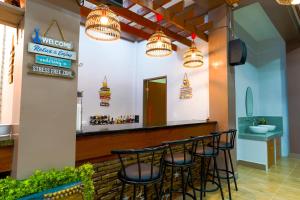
x=5, y=129
x=269, y=127
x=258, y=129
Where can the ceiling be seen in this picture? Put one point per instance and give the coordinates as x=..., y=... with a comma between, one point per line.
x=183, y=17
x=283, y=19
x=264, y=28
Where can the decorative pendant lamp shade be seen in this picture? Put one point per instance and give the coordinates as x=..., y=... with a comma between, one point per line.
x=159, y=45
x=103, y=24
x=193, y=58
x=288, y=2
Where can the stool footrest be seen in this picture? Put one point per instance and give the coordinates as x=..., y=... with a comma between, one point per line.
x=207, y=190
x=231, y=175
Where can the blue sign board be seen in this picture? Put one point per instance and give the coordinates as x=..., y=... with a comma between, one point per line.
x=50, y=51
x=52, y=61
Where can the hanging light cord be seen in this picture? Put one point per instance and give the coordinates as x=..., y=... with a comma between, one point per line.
x=159, y=18
x=194, y=36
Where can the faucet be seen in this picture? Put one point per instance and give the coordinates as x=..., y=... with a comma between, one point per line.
x=254, y=122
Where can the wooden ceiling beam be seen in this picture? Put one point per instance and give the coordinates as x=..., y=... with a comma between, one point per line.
x=176, y=8
x=139, y=33
x=149, y=24
x=205, y=27
x=187, y=13
x=159, y=3
x=126, y=28
x=195, y=21
x=168, y=16
x=146, y=22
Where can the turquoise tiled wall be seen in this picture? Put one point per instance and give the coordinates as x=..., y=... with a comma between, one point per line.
x=245, y=122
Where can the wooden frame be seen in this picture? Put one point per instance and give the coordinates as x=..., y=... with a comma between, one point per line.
x=145, y=97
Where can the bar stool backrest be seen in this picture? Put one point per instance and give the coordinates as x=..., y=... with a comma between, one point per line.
x=149, y=155
x=209, y=144
x=228, y=137
x=180, y=146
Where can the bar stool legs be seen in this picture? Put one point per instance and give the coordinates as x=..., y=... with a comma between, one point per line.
x=218, y=176
x=134, y=192
x=203, y=177
x=229, y=173
x=184, y=184
x=122, y=191
x=145, y=192
x=236, y=188
x=172, y=179
x=158, y=195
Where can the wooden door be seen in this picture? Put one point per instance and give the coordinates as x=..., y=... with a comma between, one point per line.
x=155, y=102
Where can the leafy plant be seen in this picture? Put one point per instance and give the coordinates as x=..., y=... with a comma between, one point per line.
x=262, y=121
x=11, y=189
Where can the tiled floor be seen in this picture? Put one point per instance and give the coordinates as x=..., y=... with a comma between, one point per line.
x=282, y=182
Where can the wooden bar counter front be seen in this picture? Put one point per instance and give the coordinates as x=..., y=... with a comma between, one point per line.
x=95, y=147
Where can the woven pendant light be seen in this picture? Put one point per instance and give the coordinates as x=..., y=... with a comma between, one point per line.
x=288, y=2
x=103, y=24
x=193, y=57
x=159, y=45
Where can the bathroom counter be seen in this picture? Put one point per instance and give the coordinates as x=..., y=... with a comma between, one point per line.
x=260, y=137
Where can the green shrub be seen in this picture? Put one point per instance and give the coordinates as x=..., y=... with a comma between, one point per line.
x=11, y=189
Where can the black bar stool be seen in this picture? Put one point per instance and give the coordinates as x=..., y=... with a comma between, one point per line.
x=206, y=148
x=226, y=145
x=145, y=168
x=179, y=157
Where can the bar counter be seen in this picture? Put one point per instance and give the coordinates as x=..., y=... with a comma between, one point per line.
x=95, y=143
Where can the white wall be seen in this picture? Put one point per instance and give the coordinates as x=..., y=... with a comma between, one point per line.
x=268, y=82
x=247, y=76
x=270, y=89
x=126, y=66
x=177, y=109
x=116, y=61
x=6, y=88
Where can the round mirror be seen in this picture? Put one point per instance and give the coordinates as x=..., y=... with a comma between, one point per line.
x=249, y=102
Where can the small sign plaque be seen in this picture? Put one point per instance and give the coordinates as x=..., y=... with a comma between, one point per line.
x=51, y=71
x=52, y=61
x=50, y=51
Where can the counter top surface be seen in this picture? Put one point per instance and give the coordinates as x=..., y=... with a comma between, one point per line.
x=117, y=128
x=260, y=137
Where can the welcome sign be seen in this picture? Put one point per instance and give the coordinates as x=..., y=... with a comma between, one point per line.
x=38, y=39
x=48, y=60
x=52, y=57
x=56, y=43
x=51, y=71
x=51, y=51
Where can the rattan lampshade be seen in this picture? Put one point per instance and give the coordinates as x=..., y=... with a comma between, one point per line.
x=192, y=58
x=103, y=24
x=159, y=45
x=288, y=2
